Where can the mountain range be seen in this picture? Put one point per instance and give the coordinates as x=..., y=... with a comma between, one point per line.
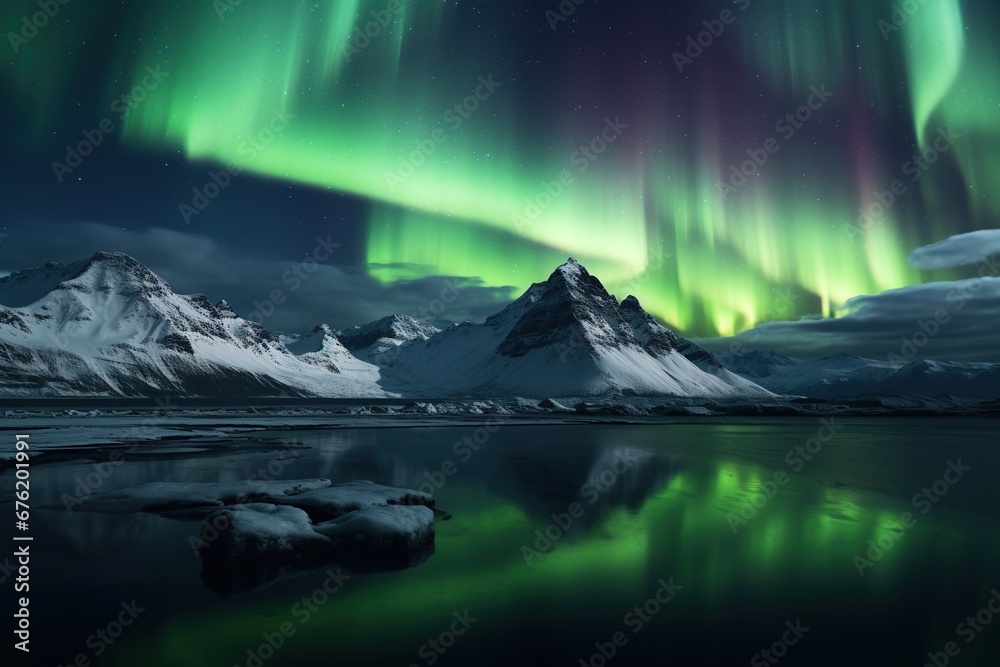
x=108, y=326
x=848, y=376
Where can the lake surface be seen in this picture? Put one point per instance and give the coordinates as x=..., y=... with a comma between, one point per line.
x=748, y=545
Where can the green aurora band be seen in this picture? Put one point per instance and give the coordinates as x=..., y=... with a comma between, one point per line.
x=477, y=192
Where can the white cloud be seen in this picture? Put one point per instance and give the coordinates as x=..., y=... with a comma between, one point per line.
x=960, y=250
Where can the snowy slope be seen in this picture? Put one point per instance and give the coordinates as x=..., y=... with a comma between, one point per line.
x=321, y=348
x=661, y=343
x=375, y=340
x=564, y=337
x=109, y=326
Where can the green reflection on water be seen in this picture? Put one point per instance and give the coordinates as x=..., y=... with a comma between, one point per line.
x=797, y=549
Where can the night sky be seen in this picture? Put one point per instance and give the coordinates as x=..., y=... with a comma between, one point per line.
x=730, y=163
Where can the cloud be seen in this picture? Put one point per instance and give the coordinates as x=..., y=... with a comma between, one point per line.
x=960, y=250
x=330, y=291
x=955, y=320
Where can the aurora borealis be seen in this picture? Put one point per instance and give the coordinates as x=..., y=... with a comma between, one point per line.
x=489, y=141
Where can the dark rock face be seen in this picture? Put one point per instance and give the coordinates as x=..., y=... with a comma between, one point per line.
x=696, y=355
x=11, y=319
x=655, y=338
x=177, y=343
x=571, y=309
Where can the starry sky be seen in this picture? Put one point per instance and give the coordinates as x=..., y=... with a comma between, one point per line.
x=807, y=176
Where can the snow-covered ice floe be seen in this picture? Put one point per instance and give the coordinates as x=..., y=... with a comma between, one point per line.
x=254, y=532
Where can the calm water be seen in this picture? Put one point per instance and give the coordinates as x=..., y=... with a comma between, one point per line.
x=653, y=504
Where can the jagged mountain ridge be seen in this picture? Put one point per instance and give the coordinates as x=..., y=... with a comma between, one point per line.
x=108, y=325
x=564, y=336
x=376, y=340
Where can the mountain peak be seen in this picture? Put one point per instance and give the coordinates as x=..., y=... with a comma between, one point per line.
x=570, y=269
x=581, y=283
x=392, y=327
x=118, y=272
x=105, y=256
x=102, y=271
x=226, y=310
x=118, y=261
x=571, y=304
x=631, y=303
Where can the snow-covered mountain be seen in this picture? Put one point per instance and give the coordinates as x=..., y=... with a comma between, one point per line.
x=849, y=376
x=758, y=364
x=108, y=326
x=375, y=340
x=565, y=337
x=661, y=343
x=321, y=347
